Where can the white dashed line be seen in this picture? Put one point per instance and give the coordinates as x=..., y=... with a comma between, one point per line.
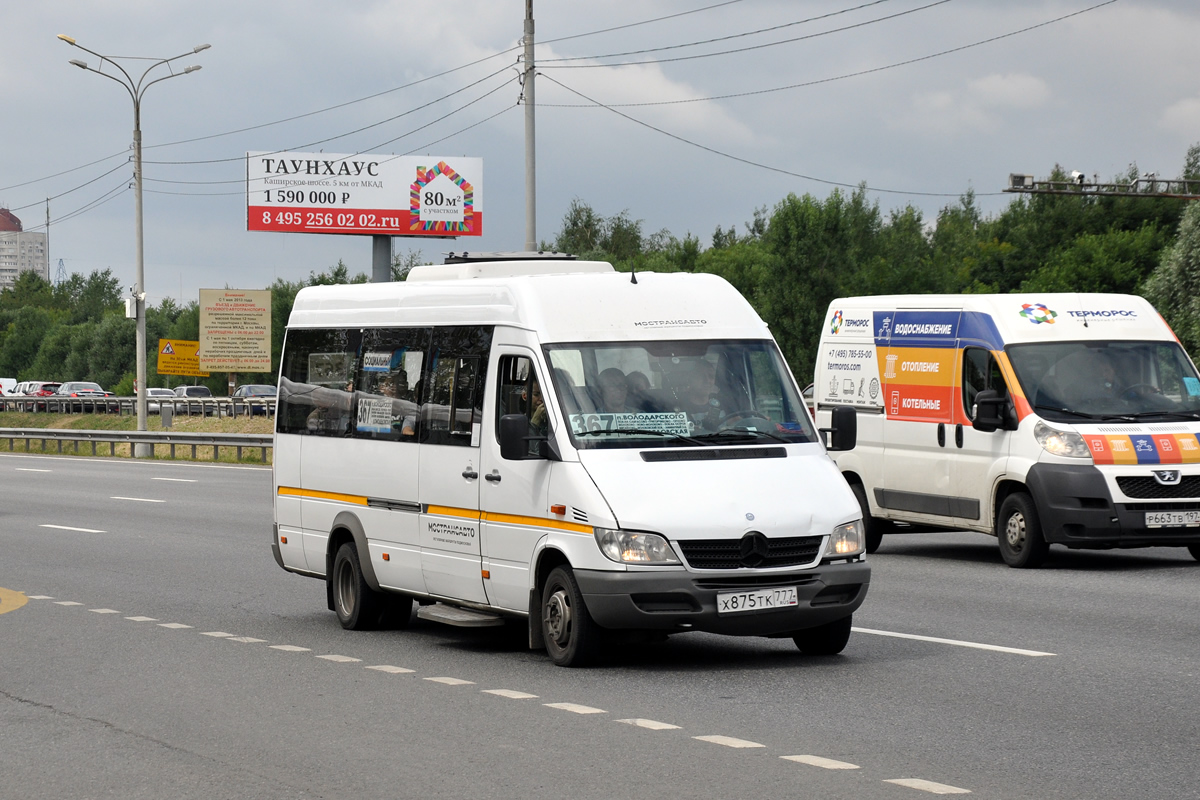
x=69, y=528
x=650, y=724
x=390, y=669
x=141, y=619
x=291, y=648
x=510, y=694
x=823, y=763
x=176, y=480
x=104, y=611
x=138, y=499
x=928, y=786
x=728, y=741
x=246, y=639
x=574, y=708
x=450, y=681
x=40, y=597
x=217, y=634
x=955, y=642
x=66, y=603
x=173, y=625
x=340, y=659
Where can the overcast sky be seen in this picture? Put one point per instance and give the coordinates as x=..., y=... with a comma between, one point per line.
x=1094, y=92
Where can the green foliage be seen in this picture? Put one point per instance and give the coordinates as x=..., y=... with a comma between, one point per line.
x=25, y=335
x=1174, y=286
x=1114, y=261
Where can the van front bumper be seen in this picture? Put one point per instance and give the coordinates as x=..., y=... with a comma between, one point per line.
x=683, y=601
x=1076, y=509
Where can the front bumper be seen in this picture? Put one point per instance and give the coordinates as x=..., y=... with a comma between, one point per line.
x=683, y=601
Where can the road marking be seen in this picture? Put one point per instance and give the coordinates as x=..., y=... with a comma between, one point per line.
x=728, y=741
x=40, y=597
x=31, y=469
x=141, y=619
x=66, y=603
x=246, y=639
x=173, y=625
x=104, y=611
x=138, y=499
x=11, y=601
x=450, y=681
x=928, y=786
x=69, y=528
x=176, y=480
x=390, y=669
x=955, y=642
x=217, y=634
x=510, y=694
x=574, y=708
x=650, y=724
x=340, y=659
x=291, y=648
x=823, y=763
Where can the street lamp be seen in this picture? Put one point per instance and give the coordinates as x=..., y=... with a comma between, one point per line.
x=137, y=90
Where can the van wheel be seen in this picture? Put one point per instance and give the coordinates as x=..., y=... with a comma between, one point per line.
x=874, y=527
x=1020, y=532
x=825, y=640
x=357, y=605
x=1194, y=549
x=396, y=613
x=571, y=636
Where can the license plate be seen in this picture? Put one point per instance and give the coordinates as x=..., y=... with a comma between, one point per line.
x=756, y=600
x=1172, y=519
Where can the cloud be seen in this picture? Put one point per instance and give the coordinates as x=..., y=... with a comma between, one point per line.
x=1183, y=117
x=978, y=105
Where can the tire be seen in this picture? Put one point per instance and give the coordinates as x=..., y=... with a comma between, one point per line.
x=874, y=528
x=1194, y=549
x=357, y=605
x=572, y=639
x=1019, y=532
x=825, y=640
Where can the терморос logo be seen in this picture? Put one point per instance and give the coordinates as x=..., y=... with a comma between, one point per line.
x=1037, y=313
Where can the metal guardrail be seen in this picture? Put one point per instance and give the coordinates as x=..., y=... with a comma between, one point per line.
x=186, y=406
x=153, y=438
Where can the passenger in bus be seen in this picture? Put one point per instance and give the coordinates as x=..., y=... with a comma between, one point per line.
x=614, y=391
x=395, y=386
x=639, y=398
x=697, y=397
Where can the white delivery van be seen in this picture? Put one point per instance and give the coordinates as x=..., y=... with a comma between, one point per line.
x=1069, y=419
x=554, y=442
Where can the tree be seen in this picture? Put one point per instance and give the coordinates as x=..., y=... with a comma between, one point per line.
x=1174, y=286
x=1114, y=261
x=29, y=290
x=582, y=230
x=23, y=341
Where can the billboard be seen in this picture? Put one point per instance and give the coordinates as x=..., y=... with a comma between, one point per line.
x=235, y=330
x=179, y=357
x=432, y=196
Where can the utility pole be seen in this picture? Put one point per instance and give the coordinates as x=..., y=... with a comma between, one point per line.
x=531, y=242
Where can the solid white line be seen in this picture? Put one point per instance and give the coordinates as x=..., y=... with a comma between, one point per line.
x=928, y=786
x=510, y=694
x=176, y=480
x=955, y=642
x=31, y=469
x=650, y=724
x=390, y=669
x=823, y=763
x=138, y=499
x=577, y=709
x=728, y=741
x=450, y=681
x=69, y=528
x=134, y=463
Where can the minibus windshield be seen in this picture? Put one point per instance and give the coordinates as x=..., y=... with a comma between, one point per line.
x=1117, y=380
x=677, y=393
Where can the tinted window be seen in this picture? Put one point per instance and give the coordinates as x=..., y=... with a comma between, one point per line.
x=980, y=372
x=316, y=384
x=388, y=383
x=453, y=385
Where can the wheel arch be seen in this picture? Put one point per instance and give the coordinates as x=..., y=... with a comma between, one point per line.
x=1004, y=489
x=348, y=528
x=546, y=559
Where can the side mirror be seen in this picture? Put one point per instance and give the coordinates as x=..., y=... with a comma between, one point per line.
x=991, y=412
x=843, y=430
x=514, y=433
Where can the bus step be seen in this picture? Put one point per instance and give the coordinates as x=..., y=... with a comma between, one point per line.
x=462, y=617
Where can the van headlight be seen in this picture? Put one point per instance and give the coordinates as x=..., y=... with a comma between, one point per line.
x=1061, y=443
x=634, y=547
x=846, y=540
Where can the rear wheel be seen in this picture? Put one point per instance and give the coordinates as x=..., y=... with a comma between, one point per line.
x=358, y=606
x=875, y=528
x=571, y=637
x=1194, y=549
x=1020, y=532
x=825, y=640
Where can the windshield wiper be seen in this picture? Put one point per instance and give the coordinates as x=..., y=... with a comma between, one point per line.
x=1085, y=415
x=642, y=432
x=1184, y=414
x=741, y=433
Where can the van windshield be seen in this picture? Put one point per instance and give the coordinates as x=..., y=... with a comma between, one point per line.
x=1078, y=381
x=677, y=393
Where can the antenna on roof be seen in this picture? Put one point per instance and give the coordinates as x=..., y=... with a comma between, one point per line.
x=633, y=272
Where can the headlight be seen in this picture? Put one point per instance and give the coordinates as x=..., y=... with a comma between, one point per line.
x=846, y=540
x=1061, y=443
x=631, y=547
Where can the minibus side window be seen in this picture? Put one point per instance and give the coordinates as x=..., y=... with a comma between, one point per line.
x=520, y=393
x=316, y=385
x=980, y=372
x=388, y=383
x=454, y=385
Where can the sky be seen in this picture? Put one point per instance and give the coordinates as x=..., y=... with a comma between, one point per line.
x=729, y=107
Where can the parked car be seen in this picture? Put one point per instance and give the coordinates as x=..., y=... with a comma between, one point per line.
x=86, y=392
x=152, y=406
x=252, y=390
x=36, y=389
x=192, y=391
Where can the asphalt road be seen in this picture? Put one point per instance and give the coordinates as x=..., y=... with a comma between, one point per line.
x=150, y=647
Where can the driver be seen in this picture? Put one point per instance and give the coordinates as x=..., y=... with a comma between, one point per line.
x=698, y=396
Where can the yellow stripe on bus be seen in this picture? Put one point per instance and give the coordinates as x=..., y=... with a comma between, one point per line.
x=354, y=499
x=539, y=522
x=450, y=511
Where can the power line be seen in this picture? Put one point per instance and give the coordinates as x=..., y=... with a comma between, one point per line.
x=116, y=191
x=636, y=24
x=834, y=78
x=68, y=191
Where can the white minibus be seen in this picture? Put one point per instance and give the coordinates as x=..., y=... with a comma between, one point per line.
x=1070, y=419
x=548, y=441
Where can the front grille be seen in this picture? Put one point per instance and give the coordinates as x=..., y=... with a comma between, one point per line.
x=1147, y=488
x=723, y=584
x=1159, y=506
x=727, y=553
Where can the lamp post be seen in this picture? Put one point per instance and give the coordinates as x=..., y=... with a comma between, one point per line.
x=137, y=90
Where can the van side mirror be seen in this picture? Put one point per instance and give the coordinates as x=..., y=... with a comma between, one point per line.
x=843, y=430
x=518, y=444
x=992, y=412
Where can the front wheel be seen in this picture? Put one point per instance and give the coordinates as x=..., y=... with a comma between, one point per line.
x=825, y=640
x=358, y=606
x=1020, y=532
x=571, y=637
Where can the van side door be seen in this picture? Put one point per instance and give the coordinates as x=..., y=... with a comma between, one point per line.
x=980, y=457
